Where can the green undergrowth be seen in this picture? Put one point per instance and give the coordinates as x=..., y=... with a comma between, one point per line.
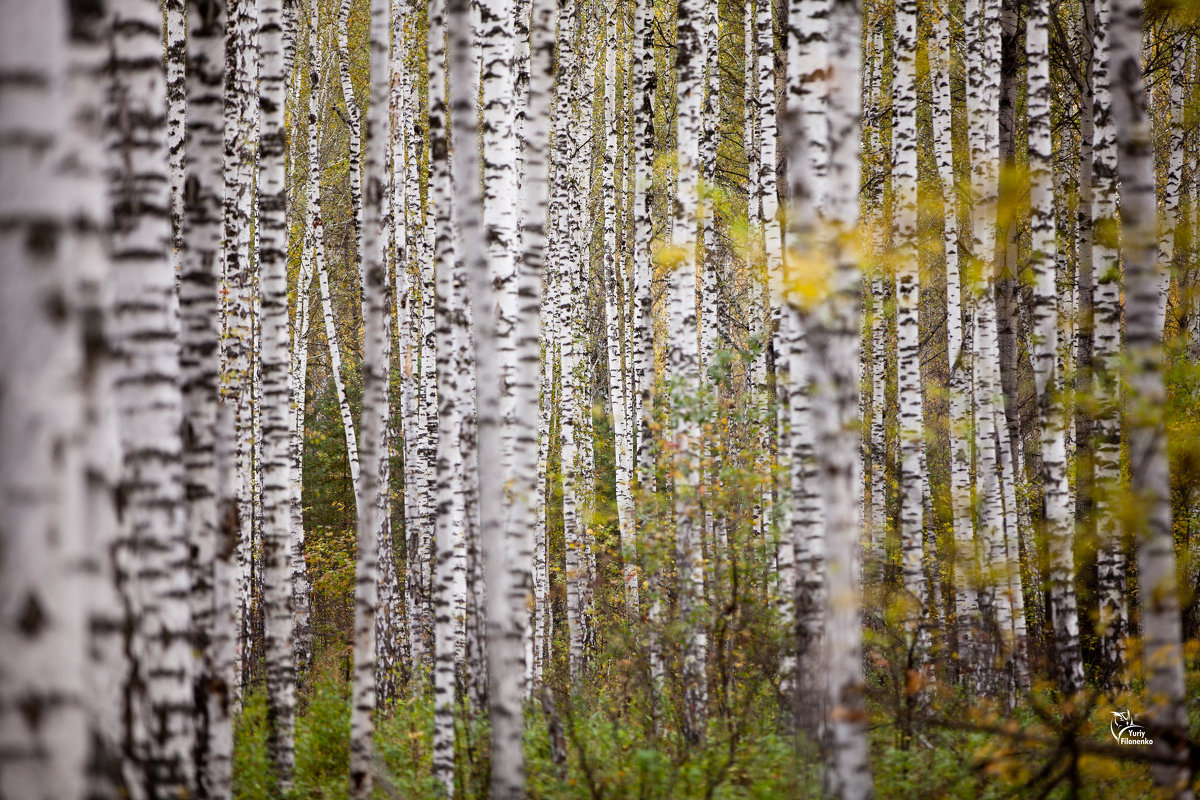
x=961, y=748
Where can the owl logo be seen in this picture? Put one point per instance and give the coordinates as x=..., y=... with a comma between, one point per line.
x=1122, y=725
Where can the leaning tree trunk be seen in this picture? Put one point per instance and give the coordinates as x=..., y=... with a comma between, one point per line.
x=1150, y=484
x=276, y=529
x=335, y=367
x=313, y=258
x=354, y=123
x=42, y=618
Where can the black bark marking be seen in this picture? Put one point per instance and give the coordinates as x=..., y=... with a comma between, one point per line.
x=32, y=619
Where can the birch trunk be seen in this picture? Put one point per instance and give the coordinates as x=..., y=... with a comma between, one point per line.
x=173, y=745
x=615, y=322
x=966, y=599
x=908, y=291
x=276, y=525
x=529, y=329
x=241, y=127
x=834, y=334
x=645, y=81
x=571, y=345
x=983, y=123
x=1168, y=224
x=312, y=258
x=685, y=367
x=354, y=123
x=42, y=628
x=710, y=277
x=1044, y=246
x=1158, y=579
x=804, y=126
x=176, y=36
x=335, y=369
x=1106, y=304
x=505, y=654
x=449, y=517
x=772, y=236
x=373, y=517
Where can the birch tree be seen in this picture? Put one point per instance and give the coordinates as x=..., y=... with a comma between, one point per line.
x=176, y=36
x=1106, y=304
x=276, y=531
x=1059, y=522
x=198, y=300
x=908, y=290
x=535, y=214
x=983, y=89
x=312, y=258
x=505, y=645
x=372, y=517
x=41, y=627
x=354, y=123
x=804, y=129
x=1149, y=473
x=685, y=369
x=834, y=332
x=450, y=516
x=644, y=78
x=614, y=291
x=82, y=166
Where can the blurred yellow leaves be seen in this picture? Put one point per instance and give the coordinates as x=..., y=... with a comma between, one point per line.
x=808, y=277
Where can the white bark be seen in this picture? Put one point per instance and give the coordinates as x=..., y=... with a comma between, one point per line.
x=1110, y=556
x=1149, y=474
x=505, y=622
x=645, y=81
x=176, y=36
x=614, y=276
x=804, y=128
x=42, y=624
x=449, y=517
x=684, y=363
x=908, y=292
x=1169, y=221
x=373, y=514
x=354, y=123
x=276, y=525
x=834, y=333
x=335, y=369
x=527, y=476
x=173, y=745
x=313, y=254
